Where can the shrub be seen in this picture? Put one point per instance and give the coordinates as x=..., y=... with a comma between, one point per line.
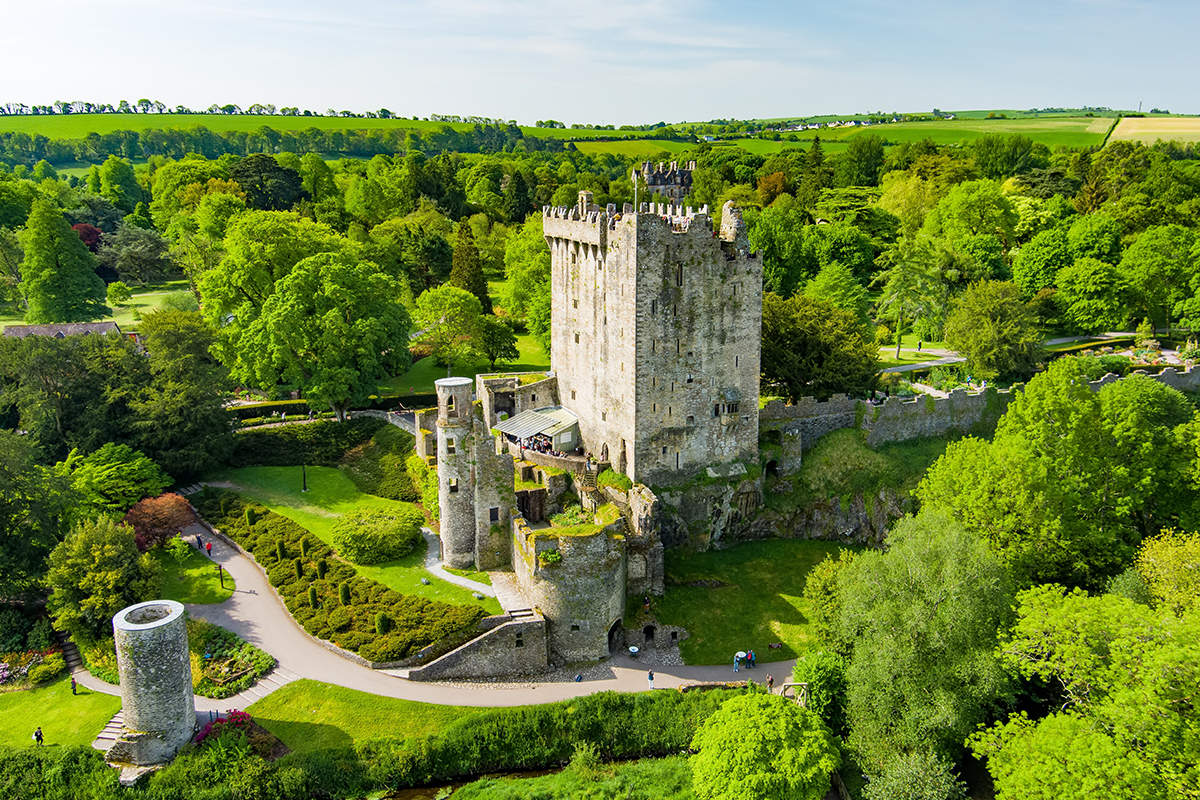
x=825, y=674
x=571, y=515
x=14, y=628
x=322, y=567
x=419, y=621
x=339, y=619
x=251, y=518
x=304, y=547
x=157, y=519
x=614, y=479
x=312, y=596
x=41, y=635
x=425, y=480
x=298, y=566
x=884, y=336
x=344, y=593
x=915, y=776
x=228, y=655
x=383, y=623
x=51, y=667
x=99, y=657
x=379, y=467
x=280, y=547
x=373, y=537
x=321, y=444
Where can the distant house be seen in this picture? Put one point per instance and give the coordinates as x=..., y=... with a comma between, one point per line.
x=61, y=330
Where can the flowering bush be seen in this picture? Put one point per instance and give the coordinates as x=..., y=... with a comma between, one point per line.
x=233, y=721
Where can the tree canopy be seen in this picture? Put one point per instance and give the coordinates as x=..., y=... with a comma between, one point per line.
x=810, y=348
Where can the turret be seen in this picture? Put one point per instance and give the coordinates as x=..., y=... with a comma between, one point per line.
x=456, y=476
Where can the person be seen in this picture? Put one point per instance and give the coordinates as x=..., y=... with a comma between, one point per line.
x=650, y=675
x=770, y=683
x=37, y=736
x=73, y=686
x=752, y=659
x=199, y=542
x=208, y=547
x=646, y=603
x=919, y=343
x=736, y=660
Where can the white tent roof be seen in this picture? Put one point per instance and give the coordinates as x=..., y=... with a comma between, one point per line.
x=549, y=421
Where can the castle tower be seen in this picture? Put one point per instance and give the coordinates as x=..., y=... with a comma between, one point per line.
x=656, y=336
x=156, y=683
x=455, y=469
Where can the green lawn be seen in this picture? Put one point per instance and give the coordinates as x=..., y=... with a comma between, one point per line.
x=887, y=357
x=308, y=715
x=762, y=603
x=145, y=300
x=65, y=719
x=195, y=581
x=1050, y=131
x=420, y=378
x=331, y=494
x=639, y=147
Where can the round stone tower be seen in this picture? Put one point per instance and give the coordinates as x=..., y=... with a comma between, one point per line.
x=456, y=475
x=156, y=683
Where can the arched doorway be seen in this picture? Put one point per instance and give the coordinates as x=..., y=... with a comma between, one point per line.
x=604, y=452
x=616, y=637
x=648, y=636
x=773, y=469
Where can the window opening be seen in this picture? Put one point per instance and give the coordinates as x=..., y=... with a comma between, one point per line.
x=494, y=514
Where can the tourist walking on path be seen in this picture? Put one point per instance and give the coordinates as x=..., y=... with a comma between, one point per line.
x=73, y=686
x=751, y=659
x=736, y=660
x=208, y=546
x=37, y=736
x=770, y=684
x=650, y=675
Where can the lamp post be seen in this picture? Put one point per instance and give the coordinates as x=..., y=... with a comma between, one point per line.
x=303, y=478
x=221, y=575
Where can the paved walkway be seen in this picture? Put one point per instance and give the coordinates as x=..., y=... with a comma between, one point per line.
x=433, y=565
x=951, y=357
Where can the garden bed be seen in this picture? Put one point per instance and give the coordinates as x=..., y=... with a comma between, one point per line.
x=369, y=619
x=222, y=663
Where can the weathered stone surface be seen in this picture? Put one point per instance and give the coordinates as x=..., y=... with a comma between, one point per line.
x=156, y=683
x=517, y=646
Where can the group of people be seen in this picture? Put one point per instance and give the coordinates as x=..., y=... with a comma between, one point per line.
x=748, y=656
x=538, y=443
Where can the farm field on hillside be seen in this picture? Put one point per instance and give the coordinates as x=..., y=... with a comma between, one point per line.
x=645, y=147
x=1150, y=129
x=76, y=126
x=1052, y=132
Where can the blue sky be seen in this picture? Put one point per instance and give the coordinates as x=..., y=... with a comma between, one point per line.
x=605, y=61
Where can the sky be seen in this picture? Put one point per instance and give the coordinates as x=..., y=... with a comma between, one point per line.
x=606, y=61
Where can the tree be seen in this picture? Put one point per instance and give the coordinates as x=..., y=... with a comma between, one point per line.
x=763, y=747
x=972, y=208
x=495, y=341
x=333, y=327
x=58, y=276
x=1124, y=675
x=155, y=520
x=34, y=514
x=89, y=235
x=1093, y=296
x=908, y=285
x=812, y=349
x=1169, y=563
x=920, y=775
x=924, y=618
x=825, y=674
x=1037, y=264
x=1095, y=236
x=526, y=267
x=449, y=317
x=268, y=186
x=119, y=294
x=119, y=184
x=181, y=419
x=861, y=162
x=94, y=573
x=836, y=285
x=11, y=258
x=516, y=198
x=467, y=272
x=998, y=156
x=214, y=212
x=137, y=255
x=780, y=234
x=1159, y=266
x=994, y=330
x=824, y=602
x=113, y=478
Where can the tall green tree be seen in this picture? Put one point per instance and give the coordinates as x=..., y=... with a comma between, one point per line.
x=268, y=186
x=763, y=747
x=994, y=329
x=1160, y=267
x=449, y=318
x=924, y=617
x=119, y=184
x=113, y=478
x=973, y=208
x=860, y=163
x=34, y=514
x=138, y=256
x=780, y=235
x=58, y=274
x=334, y=327
x=810, y=348
x=908, y=285
x=467, y=272
x=526, y=267
x=836, y=284
x=1093, y=296
x=495, y=341
x=1037, y=264
x=516, y=198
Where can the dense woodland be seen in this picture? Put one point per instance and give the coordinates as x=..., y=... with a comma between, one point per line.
x=1033, y=603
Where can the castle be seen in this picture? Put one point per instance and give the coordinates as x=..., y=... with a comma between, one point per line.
x=656, y=318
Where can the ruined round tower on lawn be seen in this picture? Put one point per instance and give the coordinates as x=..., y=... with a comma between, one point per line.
x=156, y=683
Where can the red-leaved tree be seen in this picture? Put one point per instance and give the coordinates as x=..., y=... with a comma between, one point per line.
x=89, y=234
x=156, y=519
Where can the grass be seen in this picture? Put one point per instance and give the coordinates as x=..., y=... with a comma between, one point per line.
x=308, y=716
x=332, y=494
x=145, y=300
x=762, y=602
x=1050, y=131
x=841, y=465
x=887, y=357
x=1151, y=129
x=194, y=581
x=640, y=147
x=471, y=575
x=420, y=378
x=65, y=719
x=667, y=778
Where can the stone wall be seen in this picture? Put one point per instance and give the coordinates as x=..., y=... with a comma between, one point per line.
x=583, y=596
x=898, y=419
x=494, y=500
x=425, y=422
x=514, y=645
x=156, y=683
x=808, y=419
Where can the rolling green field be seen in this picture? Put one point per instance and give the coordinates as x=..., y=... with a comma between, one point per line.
x=1050, y=131
x=307, y=715
x=332, y=494
x=642, y=147
x=65, y=719
x=145, y=300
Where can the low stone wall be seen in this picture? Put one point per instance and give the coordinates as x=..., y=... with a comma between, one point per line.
x=515, y=646
x=573, y=464
x=898, y=419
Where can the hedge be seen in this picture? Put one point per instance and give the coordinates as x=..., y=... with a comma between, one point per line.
x=388, y=402
x=317, y=444
x=377, y=467
x=373, y=537
x=418, y=622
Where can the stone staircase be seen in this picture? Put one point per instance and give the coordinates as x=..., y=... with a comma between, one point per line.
x=112, y=729
x=275, y=679
x=70, y=652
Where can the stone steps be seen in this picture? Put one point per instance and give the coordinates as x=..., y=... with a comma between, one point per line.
x=112, y=730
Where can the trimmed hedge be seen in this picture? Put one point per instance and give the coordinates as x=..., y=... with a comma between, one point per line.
x=418, y=622
x=317, y=444
x=373, y=537
x=389, y=402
